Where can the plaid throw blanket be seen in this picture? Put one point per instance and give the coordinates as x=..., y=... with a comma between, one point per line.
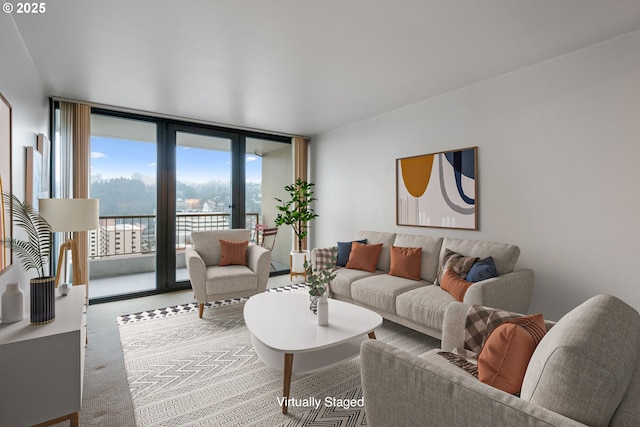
x=322, y=260
x=481, y=321
x=323, y=257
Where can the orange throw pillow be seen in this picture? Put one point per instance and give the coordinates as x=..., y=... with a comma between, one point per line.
x=505, y=356
x=405, y=262
x=233, y=253
x=364, y=257
x=453, y=284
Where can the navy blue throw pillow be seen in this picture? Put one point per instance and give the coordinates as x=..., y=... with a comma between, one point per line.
x=482, y=269
x=344, y=249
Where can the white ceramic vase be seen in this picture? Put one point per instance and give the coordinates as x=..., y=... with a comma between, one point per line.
x=323, y=310
x=12, y=304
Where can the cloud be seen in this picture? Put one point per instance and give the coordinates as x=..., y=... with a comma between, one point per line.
x=152, y=164
x=251, y=158
x=98, y=155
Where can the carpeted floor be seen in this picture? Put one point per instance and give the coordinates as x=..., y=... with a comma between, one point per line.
x=106, y=397
x=186, y=371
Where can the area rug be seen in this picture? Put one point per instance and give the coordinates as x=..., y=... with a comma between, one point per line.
x=187, y=371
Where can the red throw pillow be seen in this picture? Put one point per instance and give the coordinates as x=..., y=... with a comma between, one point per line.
x=364, y=257
x=233, y=253
x=505, y=356
x=453, y=284
x=405, y=262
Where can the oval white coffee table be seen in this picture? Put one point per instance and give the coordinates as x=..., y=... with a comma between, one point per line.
x=282, y=326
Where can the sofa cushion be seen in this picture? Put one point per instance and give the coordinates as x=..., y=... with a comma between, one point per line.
x=483, y=269
x=405, y=262
x=379, y=237
x=207, y=243
x=503, y=360
x=232, y=278
x=453, y=284
x=425, y=305
x=583, y=366
x=341, y=284
x=233, y=253
x=364, y=256
x=430, y=252
x=344, y=250
x=381, y=291
x=453, y=260
x=504, y=255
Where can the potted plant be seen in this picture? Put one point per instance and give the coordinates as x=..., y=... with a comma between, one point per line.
x=297, y=213
x=318, y=280
x=34, y=254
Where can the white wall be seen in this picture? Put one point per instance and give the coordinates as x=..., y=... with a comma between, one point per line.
x=559, y=174
x=22, y=86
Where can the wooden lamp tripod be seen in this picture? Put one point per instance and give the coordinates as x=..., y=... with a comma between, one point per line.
x=71, y=215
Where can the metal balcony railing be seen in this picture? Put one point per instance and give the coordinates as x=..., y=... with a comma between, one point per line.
x=136, y=234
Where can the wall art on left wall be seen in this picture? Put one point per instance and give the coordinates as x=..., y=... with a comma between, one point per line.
x=438, y=190
x=5, y=180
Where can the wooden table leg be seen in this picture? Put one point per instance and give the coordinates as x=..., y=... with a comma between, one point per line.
x=286, y=387
x=372, y=335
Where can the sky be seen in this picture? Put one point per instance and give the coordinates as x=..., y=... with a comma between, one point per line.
x=115, y=158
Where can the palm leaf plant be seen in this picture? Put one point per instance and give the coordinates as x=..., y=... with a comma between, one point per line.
x=297, y=211
x=34, y=252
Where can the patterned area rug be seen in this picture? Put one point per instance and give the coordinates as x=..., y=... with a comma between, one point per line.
x=187, y=371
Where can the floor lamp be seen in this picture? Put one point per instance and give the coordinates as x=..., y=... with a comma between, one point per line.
x=69, y=215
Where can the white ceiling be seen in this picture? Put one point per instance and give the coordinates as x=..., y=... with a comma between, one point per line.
x=299, y=66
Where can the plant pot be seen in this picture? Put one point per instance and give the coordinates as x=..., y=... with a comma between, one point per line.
x=297, y=261
x=43, y=301
x=323, y=310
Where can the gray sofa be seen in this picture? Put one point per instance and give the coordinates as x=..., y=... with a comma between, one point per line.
x=584, y=371
x=418, y=304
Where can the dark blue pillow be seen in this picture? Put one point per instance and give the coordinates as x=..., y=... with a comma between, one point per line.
x=344, y=249
x=482, y=269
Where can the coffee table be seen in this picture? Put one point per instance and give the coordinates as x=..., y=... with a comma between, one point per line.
x=282, y=326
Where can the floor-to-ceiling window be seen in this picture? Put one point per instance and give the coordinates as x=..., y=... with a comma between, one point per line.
x=158, y=180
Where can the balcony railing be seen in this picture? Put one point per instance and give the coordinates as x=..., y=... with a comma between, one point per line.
x=136, y=234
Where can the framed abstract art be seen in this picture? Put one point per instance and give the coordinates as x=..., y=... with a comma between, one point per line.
x=5, y=180
x=438, y=190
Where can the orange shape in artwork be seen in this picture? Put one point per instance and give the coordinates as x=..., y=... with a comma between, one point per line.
x=416, y=172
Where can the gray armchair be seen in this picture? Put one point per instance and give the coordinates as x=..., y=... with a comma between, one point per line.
x=585, y=371
x=212, y=282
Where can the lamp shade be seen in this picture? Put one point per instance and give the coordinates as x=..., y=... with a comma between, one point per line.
x=71, y=214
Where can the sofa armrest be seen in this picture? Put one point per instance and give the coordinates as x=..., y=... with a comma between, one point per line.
x=453, y=326
x=259, y=261
x=197, y=273
x=402, y=389
x=510, y=292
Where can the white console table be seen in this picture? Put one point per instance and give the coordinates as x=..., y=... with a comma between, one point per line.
x=42, y=366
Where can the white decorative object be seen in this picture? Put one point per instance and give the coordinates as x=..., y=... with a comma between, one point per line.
x=298, y=259
x=64, y=289
x=12, y=304
x=323, y=311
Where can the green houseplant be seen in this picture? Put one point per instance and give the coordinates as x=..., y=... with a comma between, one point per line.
x=297, y=211
x=319, y=278
x=34, y=252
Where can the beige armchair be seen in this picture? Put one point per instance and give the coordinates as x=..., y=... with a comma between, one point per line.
x=212, y=282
